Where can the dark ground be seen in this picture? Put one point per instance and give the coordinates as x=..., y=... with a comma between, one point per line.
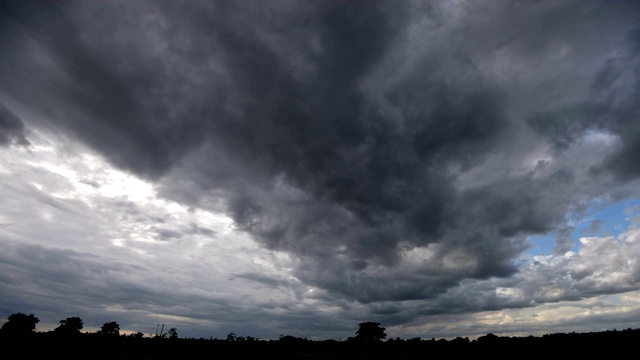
x=94, y=346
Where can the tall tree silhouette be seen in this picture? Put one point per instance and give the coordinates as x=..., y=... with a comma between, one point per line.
x=370, y=332
x=19, y=324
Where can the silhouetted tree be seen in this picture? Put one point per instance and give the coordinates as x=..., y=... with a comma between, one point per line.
x=110, y=329
x=137, y=335
x=19, y=324
x=231, y=336
x=69, y=326
x=370, y=332
x=173, y=333
x=488, y=339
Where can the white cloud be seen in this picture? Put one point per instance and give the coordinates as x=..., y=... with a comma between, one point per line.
x=76, y=201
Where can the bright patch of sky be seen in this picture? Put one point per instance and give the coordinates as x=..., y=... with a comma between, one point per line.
x=76, y=200
x=601, y=219
x=606, y=219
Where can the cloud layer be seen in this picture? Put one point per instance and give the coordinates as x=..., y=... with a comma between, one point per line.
x=392, y=152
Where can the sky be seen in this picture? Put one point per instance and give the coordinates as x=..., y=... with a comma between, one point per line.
x=445, y=168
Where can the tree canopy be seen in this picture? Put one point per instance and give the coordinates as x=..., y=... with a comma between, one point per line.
x=70, y=326
x=19, y=324
x=111, y=329
x=370, y=332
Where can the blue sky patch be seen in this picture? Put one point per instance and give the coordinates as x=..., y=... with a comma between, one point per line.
x=601, y=219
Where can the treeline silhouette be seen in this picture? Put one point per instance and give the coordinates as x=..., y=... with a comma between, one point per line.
x=19, y=337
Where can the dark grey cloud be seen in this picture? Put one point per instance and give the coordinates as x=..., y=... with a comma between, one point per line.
x=167, y=234
x=263, y=279
x=610, y=107
x=347, y=134
x=11, y=128
x=196, y=229
x=73, y=283
x=87, y=87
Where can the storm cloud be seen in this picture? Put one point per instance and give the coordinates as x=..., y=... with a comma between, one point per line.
x=396, y=150
x=11, y=128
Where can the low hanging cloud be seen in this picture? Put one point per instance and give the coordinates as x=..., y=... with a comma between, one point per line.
x=396, y=150
x=12, y=129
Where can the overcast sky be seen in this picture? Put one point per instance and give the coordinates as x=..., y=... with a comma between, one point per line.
x=445, y=168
